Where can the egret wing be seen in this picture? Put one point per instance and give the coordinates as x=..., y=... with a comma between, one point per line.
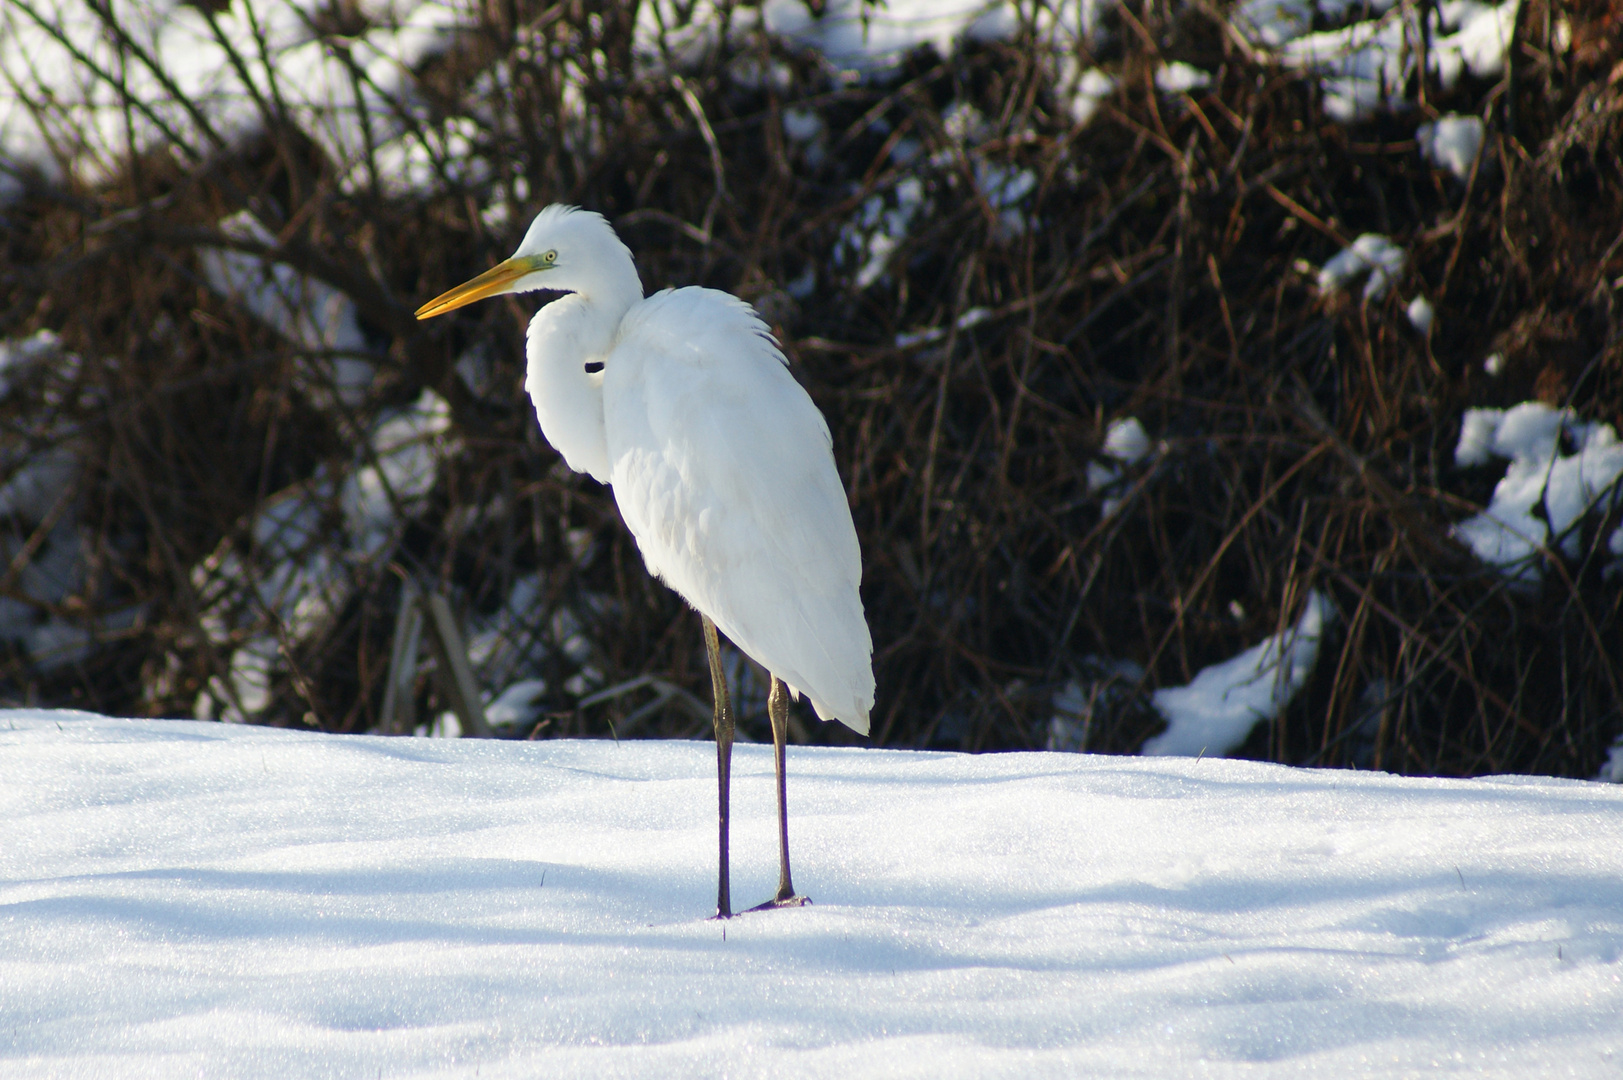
x=724, y=471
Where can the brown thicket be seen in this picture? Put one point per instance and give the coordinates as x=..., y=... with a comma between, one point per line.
x=1161, y=265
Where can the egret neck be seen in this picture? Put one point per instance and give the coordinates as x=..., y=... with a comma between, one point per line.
x=570, y=336
x=570, y=339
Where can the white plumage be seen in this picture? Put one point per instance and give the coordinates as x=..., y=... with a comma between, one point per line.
x=724, y=472
x=721, y=465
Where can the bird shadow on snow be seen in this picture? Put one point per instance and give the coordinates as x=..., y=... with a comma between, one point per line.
x=1292, y=948
x=1338, y=928
x=1133, y=925
x=487, y=902
x=1118, y=926
x=598, y=759
x=1183, y=778
x=1180, y=778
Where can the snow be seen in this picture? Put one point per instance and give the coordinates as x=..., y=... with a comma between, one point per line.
x=1421, y=314
x=38, y=482
x=309, y=313
x=516, y=705
x=306, y=569
x=1452, y=142
x=1215, y=713
x=878, y=230
x=41, y=537
x=973, y=317
x=802, y=125
x=317, y=84
x=1363, y=66
x=1090, y=87
x=1544, y=492
x=1108, y=685
x=1005, y=187
x=187, y=898
x=1481, y=42
x=406, y=448
x=867, y=39
x=1272, y=23
x=1180, y=78
x=20, y=357
x=1127, y=441
x=1371, y=253
x=1612, y=771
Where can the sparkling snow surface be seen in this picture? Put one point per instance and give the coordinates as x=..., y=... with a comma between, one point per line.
x=182, y=898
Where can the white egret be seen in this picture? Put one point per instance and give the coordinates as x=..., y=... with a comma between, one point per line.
x=721, y=465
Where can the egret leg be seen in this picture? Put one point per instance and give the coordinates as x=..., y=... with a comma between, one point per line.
x=777, y=707
x=724, y=760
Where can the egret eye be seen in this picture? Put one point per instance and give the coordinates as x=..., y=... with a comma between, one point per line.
x=550, y=257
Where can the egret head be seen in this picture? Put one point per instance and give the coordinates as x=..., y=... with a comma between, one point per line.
x=566, y=249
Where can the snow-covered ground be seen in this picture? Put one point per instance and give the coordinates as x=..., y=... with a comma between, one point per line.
x=191, y=899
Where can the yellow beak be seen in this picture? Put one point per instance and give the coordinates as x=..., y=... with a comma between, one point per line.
x=493, y=281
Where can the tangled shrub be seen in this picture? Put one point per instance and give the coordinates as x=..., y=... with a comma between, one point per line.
x=230, y=451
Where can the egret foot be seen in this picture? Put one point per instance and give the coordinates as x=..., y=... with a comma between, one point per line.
x=782, y=902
